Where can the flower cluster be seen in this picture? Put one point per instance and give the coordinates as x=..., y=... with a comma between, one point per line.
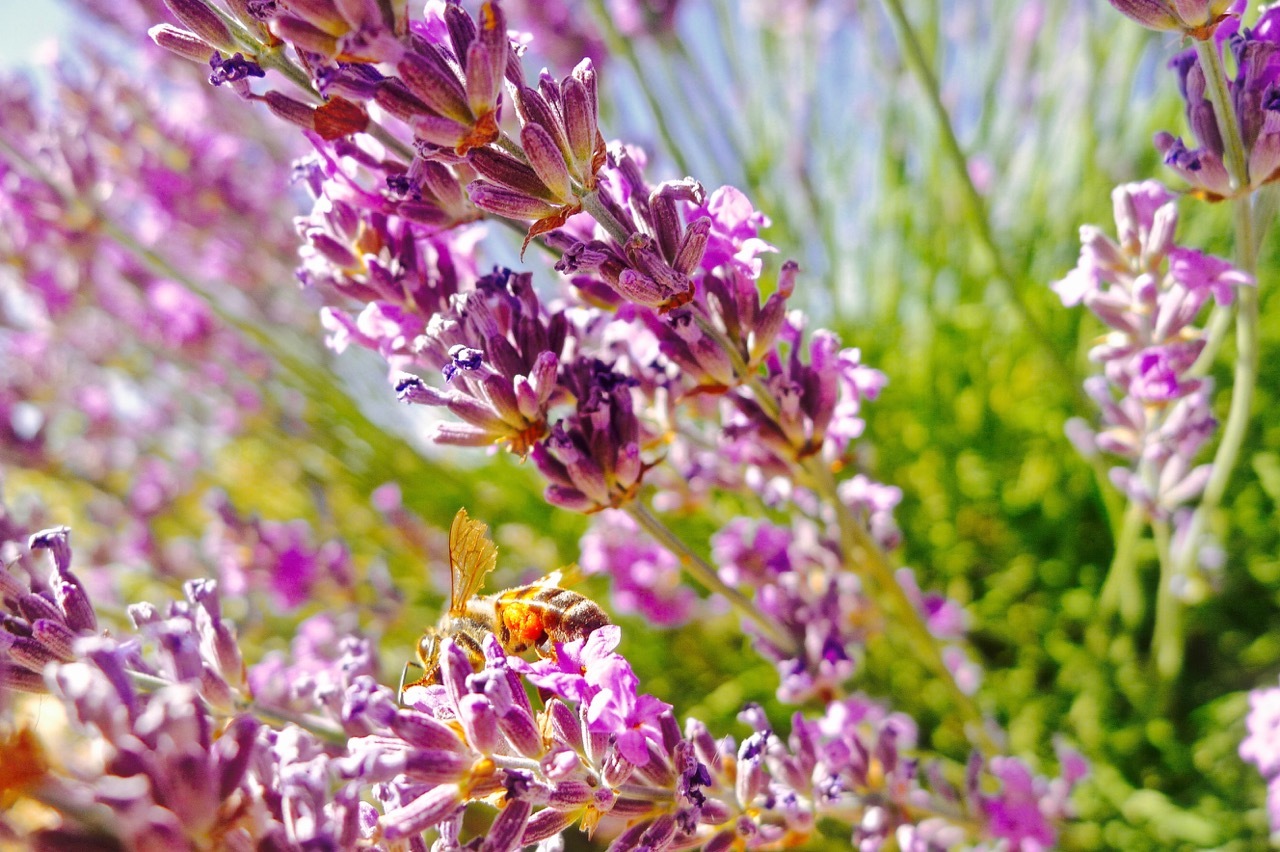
x=121, y=217
x=1256, y=51
x=1149, y=291
x=192, y=751
x=252, y=554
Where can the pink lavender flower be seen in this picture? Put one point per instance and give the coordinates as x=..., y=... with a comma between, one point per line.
x=1256, y=51
x=644, y=578
x=1025, y=808
x=279, y=558
x=1261, y=745
x=1149, y=291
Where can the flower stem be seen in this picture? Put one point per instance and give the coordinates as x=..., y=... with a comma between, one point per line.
x=863, y=554
x=591, y=203
x=1215, y=78
x=1169, y=659
x=1121, y=590
x=1167, y=640
x=706, y=576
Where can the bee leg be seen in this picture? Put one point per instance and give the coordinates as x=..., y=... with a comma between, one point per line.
x=403, y=674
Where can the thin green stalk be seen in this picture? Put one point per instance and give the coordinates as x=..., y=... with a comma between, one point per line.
x=1121, y=590
x=592, y=204
x=1215, y=78
x=1215, y=334
x=706, y=576
x=1168, y=640
x=915, y=56
x=1168, y=658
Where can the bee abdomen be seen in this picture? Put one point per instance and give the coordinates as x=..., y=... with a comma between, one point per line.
x=533, y=615
x=582, y=617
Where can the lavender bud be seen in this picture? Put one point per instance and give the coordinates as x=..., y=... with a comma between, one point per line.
x=480, y=723
x=507, y=829
x=57, y=540
x=292, y=111
x=546, y=823
x=202, y=21
x=424, y=732
x=182, y=42
x=427, y=810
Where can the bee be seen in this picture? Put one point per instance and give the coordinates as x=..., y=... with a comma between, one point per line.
x=532, y=617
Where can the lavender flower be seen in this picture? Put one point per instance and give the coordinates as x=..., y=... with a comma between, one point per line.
x=800, y=585
x=1149, y=291
x=644, y=578
x=562, y=148
x=1196, y=18
x=42, y=619
x=279, y=558
x=500, y=353
x=1261, y=745
x=648, y=253
x=1253, y=94
x=592, y=458
x=819, y=400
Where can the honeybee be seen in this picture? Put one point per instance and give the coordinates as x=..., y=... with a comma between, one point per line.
x=535, y=616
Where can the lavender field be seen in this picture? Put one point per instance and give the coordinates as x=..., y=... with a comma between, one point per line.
x=641, y=425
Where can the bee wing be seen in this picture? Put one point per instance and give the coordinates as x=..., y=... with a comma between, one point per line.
x=471, y=556
x=566, y=577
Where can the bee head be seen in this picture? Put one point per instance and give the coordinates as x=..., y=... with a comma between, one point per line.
x=429, y=655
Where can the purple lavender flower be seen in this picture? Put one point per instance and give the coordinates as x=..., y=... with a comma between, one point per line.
x=563, y=150
x=279, y=558
x=1149, y=291
x=819, y=400
x=1256, y=52
x=499, y=351
x=1025, y=808
x=592, y=458
x=42, y=619
x=654, y=266
x=799, y=585
x=360, y=31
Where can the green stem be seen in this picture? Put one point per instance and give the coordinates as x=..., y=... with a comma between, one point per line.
x=1168, y=658
x=1215, y=78
x=591, y=203
x=706, y=576
x=1121, y=590
x=1005, y=277
x=864, y=556
x=1167, y=641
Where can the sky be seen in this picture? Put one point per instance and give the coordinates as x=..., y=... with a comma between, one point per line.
x=26, y=25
